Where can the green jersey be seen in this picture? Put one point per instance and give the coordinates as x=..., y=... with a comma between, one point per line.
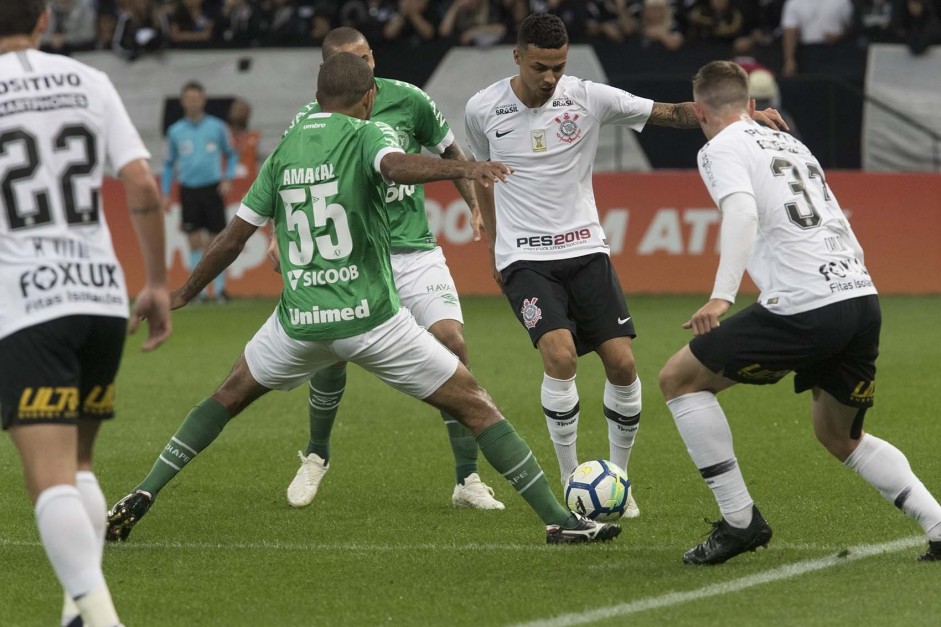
x=323, y=189
x=417, y=122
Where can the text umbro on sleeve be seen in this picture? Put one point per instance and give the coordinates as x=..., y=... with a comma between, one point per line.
x=431, y=129
x=379, y=140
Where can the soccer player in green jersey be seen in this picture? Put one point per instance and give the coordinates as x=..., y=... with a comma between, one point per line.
x=323, y=187
x=422, y=278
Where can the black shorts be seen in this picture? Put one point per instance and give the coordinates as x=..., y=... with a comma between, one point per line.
x=60, y=371
x=581, y=294
x=203, y=209
x=833, y=348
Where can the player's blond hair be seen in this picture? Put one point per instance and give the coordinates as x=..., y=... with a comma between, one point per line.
x=721, y=84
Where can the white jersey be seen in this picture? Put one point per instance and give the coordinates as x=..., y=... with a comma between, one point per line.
x=805, y=255
x=60, y=123
x=547, y=208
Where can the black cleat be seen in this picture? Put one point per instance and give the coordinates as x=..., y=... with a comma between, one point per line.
x=934, y=552
x=586, y=530
x=726, y=541
x=125, y=514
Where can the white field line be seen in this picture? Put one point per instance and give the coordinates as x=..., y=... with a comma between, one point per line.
x=727, y=587
x=536, y=546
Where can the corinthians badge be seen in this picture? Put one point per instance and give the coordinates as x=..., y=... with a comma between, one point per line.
x=568, y=129
x=530, y=312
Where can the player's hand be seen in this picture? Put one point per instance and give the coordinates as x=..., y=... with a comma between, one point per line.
x=477, y=222
x=224, y=188
x=486, y=172
x=152, y=305
x=707, y=318
x=771, y=118
x=274, y=257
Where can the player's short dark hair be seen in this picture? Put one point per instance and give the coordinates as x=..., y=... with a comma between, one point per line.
x=195, y=85
x=343, y=81
x=542, y=30
x=340, y=38
x=19, y=17
x=721, y=84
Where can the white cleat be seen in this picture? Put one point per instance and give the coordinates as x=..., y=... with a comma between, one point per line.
x=630, y=510
x=303, y=488
x=474, y=494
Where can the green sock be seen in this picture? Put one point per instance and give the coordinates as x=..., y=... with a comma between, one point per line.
x=511, y=456
x=325, y=391
x=464, y=446
x=202, y=425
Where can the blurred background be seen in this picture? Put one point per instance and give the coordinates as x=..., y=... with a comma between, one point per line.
x=858, y=81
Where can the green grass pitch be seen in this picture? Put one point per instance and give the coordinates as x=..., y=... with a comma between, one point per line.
x=381, y=544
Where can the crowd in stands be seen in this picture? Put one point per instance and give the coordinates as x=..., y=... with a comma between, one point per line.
x=136, y=27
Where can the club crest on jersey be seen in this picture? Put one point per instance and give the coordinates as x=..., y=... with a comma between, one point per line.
x=403, y=138
x=531, y=313
x=568, y=129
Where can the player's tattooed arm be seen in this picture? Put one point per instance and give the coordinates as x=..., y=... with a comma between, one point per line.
x=678, y=115
x=465, y=187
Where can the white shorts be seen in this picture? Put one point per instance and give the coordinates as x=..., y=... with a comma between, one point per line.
x=425, y=286
x=398, y=351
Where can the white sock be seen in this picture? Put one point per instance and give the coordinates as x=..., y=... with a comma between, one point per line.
x=97, y=609
x=73, y=550
x=95, y=505
x=705, y=430
x=560, y=406
x=97, y=508
x=622, y=410
x=886, y=468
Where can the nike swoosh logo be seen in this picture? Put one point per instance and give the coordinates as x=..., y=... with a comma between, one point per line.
x=499, y=134
x=620, y=321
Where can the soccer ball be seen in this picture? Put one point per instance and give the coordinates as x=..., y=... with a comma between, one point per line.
x=597, y=490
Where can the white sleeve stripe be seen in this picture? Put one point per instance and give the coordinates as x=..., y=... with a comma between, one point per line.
x=382, y=153
x=443, y=144
x=250, y=215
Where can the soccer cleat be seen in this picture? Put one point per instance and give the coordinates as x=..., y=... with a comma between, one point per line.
x=304, y=486
x=934, y=552
x=126, y=513
x=726, y=541
x=630, y=508
x=475, y=494
x=586, y=530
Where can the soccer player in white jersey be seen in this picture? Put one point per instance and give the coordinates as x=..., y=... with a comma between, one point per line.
x=323, y=187
x=64, y=308
x=817, y=315
x=550, y=253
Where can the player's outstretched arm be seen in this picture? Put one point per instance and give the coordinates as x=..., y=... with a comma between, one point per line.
x=488, y=217
x=153, y=302
x=223, y=250
x=405, y=169
x=736, y=240
x=465, y=188
x=682, y=115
